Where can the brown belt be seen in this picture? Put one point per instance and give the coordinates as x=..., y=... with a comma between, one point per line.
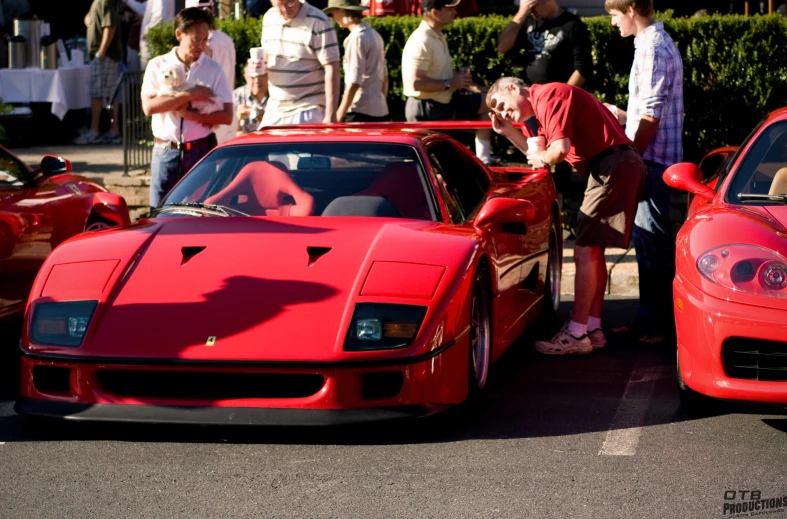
x=210, y=140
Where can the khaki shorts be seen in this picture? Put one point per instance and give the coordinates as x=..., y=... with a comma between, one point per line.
x=610, y=202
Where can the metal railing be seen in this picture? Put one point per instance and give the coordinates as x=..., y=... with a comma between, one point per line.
x=136, y=130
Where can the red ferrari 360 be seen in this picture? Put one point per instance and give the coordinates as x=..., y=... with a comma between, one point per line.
x=298, y=276
x=39, y=209
x=730, y=288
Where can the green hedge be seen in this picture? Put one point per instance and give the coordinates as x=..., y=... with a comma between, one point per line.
x=735, y=67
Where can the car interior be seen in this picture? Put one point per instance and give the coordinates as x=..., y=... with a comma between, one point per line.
x=764, y=169
x=328, y=179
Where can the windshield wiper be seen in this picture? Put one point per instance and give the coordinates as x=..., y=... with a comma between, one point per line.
x=213, y=208
x=772, y=198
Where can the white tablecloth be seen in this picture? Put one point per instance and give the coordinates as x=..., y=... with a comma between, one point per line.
x=66, y=88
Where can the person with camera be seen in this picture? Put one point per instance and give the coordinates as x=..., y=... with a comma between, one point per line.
x=251, y=98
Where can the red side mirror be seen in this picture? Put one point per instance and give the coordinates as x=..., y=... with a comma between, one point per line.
x=52, y=165
x=688, y=177
x=504, y=211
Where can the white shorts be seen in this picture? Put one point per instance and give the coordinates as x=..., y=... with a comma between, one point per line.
x=313, y=116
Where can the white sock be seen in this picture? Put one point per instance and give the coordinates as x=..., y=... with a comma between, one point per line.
x=576, y=329
x=483, y=150
x=594, y=323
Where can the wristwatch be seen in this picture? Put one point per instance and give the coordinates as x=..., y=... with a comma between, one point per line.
x=447, y=84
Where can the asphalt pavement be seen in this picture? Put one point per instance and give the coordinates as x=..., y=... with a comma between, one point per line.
x=600, y=435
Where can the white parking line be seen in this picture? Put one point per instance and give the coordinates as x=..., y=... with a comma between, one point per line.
x=623, y=435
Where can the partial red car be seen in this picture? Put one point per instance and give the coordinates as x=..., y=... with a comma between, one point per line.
x=39, y=209
x=298, y=276
x=730, y=287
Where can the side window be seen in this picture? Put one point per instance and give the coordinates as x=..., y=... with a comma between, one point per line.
x=12, y=172
x=460, y=175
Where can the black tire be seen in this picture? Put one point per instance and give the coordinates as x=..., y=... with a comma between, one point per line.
x=554, y=273
x=693, y=403
x=96, y=223
x=480, y=355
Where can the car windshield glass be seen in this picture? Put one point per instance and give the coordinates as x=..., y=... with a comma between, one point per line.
x=762, y=175
x=306, y=179
x=12, y=172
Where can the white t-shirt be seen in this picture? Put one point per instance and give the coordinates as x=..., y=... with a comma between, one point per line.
x=204, y=71
x=155, y=12
x=224, y=54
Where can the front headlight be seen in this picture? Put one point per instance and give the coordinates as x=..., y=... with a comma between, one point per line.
x=377, y=326
x=61, y=324
x=746, y=268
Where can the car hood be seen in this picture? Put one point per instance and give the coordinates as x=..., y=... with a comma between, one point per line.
x=255, y=288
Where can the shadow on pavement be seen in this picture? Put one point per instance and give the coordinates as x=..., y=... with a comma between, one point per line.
x=529, y=395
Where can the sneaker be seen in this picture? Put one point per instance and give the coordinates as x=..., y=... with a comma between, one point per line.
x=597, y=338
x=565, y=344
x=89, y=137
x=112, y=138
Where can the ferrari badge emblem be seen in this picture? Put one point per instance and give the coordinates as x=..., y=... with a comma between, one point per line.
x=211, y=341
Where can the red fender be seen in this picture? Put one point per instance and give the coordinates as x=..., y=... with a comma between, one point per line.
x=112, y=207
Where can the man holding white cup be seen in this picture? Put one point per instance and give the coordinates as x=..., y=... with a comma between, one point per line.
x=581, y=131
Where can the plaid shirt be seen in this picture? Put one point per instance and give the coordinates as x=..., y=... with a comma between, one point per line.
x=656, y=90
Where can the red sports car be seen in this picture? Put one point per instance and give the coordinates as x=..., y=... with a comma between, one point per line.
x=38, y=210
x=730, y=288
x=298, y=276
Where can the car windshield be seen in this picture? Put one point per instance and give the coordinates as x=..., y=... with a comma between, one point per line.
x=762, y=176
x=306, y=179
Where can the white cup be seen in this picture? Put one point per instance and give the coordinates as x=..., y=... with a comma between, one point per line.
x=538, y=143
x=256, y=54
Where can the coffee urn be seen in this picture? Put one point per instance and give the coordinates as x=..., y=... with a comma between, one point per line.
x=31, y=30
x=48, y=53
x=17, y=52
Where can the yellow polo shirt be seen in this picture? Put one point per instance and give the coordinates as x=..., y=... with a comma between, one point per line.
x=427, y=50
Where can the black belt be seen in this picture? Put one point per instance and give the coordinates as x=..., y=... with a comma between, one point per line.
x=209, y=141
x=596, y=159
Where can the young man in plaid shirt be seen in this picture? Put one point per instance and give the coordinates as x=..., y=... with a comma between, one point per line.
x=654, y=122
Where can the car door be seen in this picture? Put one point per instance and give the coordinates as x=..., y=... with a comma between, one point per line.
x=467, y=184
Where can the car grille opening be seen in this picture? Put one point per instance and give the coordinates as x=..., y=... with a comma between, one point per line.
x=754, y=359
x=205, y=385
x=376, y=386
x=49, y=379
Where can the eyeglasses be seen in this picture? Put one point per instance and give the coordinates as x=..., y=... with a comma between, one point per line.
x=287, y=5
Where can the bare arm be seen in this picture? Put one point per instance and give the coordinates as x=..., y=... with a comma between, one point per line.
x=106, y=37
x=347, y=100
x=510, y=33
x=426, y=84
x=645, y=132
x=576, y=79
x=332, y=85
x=161, y=104
x=223, y=116
x=554, y=154
x=304, y=202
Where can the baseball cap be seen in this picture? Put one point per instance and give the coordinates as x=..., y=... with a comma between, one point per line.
x=428, y=5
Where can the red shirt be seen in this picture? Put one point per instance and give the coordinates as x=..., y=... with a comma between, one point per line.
x=565, y=111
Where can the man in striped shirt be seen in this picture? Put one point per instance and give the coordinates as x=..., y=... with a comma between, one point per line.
x=302, y=58
x=654, y=121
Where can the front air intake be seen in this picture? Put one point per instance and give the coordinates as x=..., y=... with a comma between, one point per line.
x=754, y=359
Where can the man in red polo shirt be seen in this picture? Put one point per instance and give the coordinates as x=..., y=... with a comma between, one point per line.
x=583, y=132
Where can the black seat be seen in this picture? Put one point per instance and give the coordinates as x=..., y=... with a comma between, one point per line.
x=361, y=206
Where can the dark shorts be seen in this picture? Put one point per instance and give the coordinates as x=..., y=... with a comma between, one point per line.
x=357, y=117
x=614, y=187
x=463, y=107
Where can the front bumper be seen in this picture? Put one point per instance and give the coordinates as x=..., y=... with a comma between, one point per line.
x=129, y=390
x=217, y=415
x=703, y=324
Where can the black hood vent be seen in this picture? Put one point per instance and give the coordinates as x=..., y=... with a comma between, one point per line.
x=190, y=252
x=316, y=253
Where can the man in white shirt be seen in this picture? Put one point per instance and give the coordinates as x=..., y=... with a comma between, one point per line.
x=222, y=49
x=302, y=58
x=156, y=11
x=183, y=136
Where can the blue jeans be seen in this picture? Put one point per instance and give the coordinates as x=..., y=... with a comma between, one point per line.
x=655, y=248
x=165, y=169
